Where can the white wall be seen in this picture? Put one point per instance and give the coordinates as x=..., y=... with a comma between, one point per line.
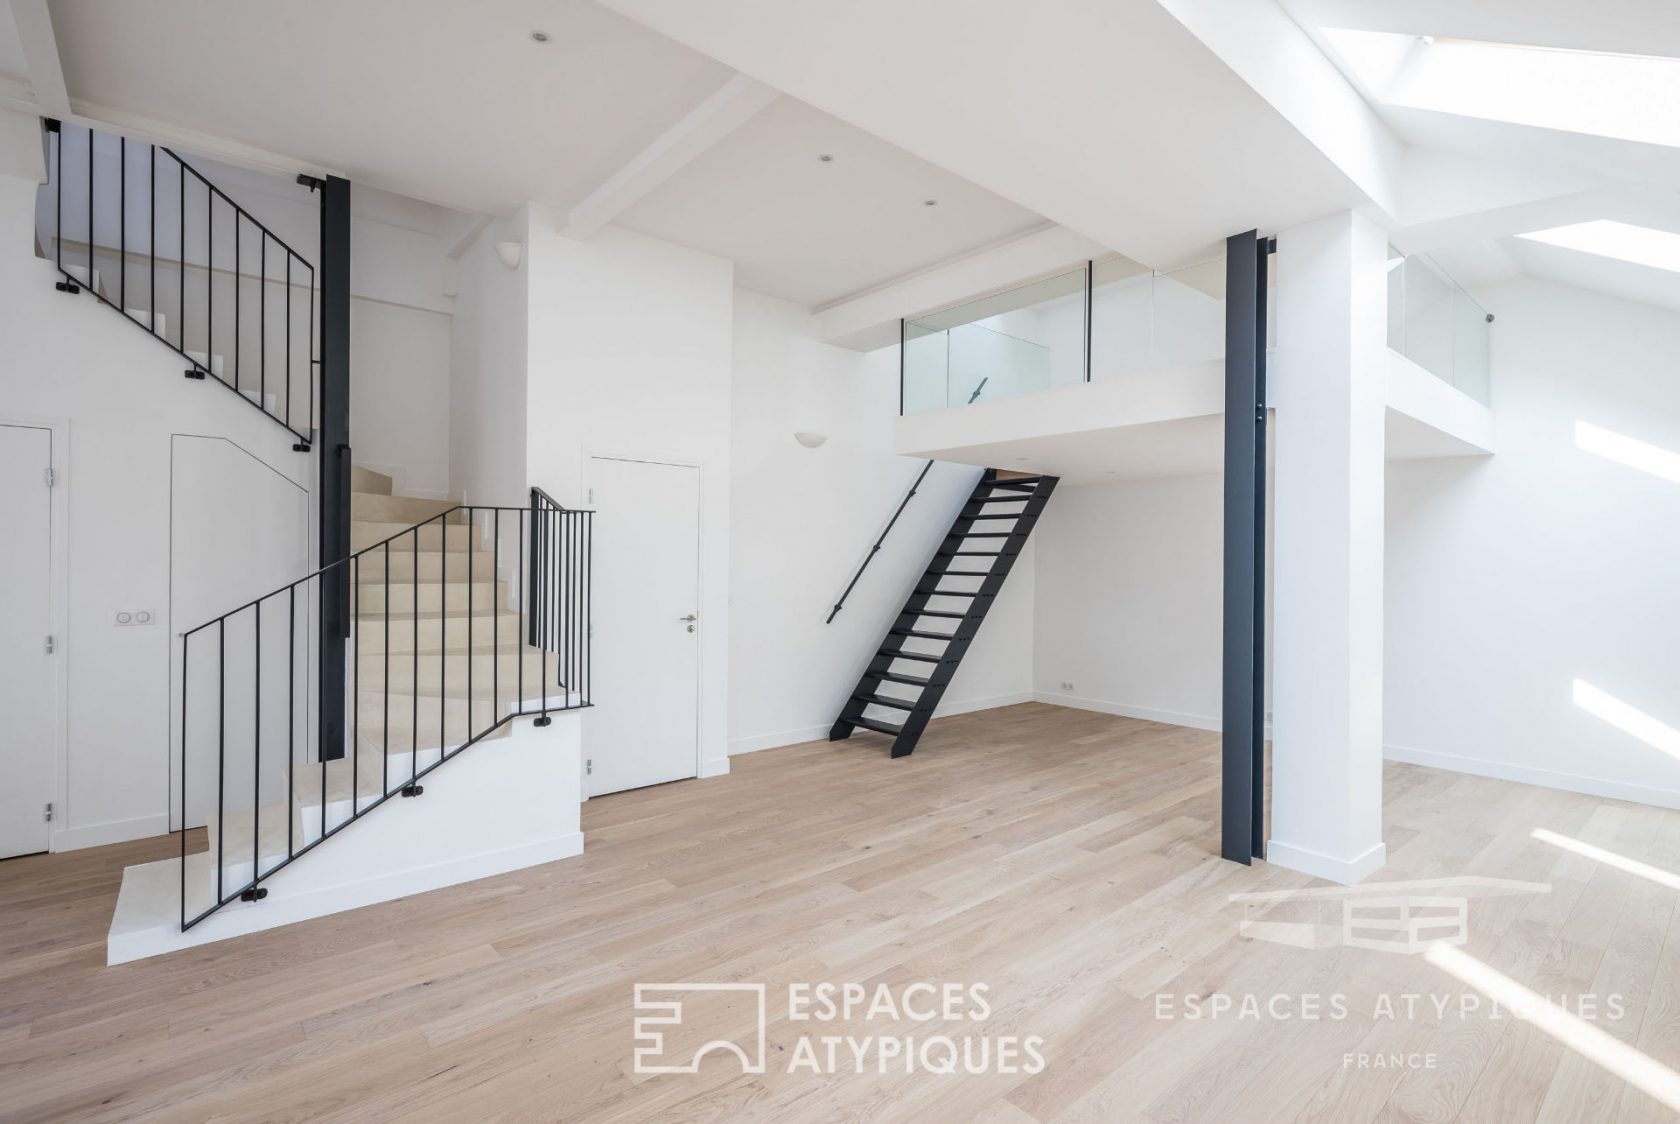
x=1511, y=577
x=487, y=372
x=122, y=399
x=629, y=355
x=802, y=520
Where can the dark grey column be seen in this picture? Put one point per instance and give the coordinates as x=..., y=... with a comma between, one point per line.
x=333, y=442
x=1243, y=694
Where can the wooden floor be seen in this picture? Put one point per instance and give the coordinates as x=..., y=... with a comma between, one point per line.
x=1064, y=859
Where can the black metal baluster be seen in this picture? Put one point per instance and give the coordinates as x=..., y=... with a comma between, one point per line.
x=122, y=223
x=58, y=243
x=545, y=577
x=525, y=599
x=414, y=675
x=496, y=608
x=185, y=644
x=256, y=754
x=442, y=649
x=289, y=341
x=210, y=282
x=470, y=651
x=262, y=324
x=182, y=171
x=356, y=689
x=238, y=282
x=221, y=750
x=151, y=227
x=443, y=629
x=291, y=714
x=92, y=288
x=589, y=606
x=385, y=700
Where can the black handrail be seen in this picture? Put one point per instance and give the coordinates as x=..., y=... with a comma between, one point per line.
x=902, y=504
x=556, y=589
x=870, y=557
x=143, y=260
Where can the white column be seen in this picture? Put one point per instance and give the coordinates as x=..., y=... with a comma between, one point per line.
x=1330, y=394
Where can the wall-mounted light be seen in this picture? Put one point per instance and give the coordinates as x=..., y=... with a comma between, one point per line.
x=808, y=439
x=510, y=253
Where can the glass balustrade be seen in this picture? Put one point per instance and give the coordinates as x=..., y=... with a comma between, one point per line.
x=1436, y=324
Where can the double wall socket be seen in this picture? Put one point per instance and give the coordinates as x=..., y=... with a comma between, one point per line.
x=136, y=616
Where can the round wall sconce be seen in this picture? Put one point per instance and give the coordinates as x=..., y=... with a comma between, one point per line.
x=510, y=253
x=810, y=440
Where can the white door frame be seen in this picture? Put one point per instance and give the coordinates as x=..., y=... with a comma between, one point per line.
x=58, y=589
x=590, y=456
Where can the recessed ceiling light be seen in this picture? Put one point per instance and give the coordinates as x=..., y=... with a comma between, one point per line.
x=1641, y=245
x=826, y=158
x=539, y=36
x=930, y=202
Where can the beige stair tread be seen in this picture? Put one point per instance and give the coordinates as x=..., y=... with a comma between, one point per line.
x=369, y=481
x=376, y=507
x=451, y=537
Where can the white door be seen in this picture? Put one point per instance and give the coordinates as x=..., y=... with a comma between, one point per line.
x=27, y=694
x=646, y=603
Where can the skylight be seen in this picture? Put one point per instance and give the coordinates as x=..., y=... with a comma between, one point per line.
x=1626, y=97
x=1659, y=249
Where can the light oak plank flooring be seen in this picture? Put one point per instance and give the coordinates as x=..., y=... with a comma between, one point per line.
x=1065, y=859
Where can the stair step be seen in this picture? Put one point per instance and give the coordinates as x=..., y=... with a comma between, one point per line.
x=877, y=725
x=923, y=633
x=942, y=612
x=212, y=363
x=502, y=667
x=1001, y=515
x=946, y=593
x=457, y=537
x=1014, y=486
x=434, y=596
x=961, y=573
x=378, y=507
x=435, y=633
x=901, y=654
x=886, y=700
x=1002, y=499
x=972, y=554
x=985, y=534
x=898, y=677
x=159, y=322
x=434, y=565
x=369, y=482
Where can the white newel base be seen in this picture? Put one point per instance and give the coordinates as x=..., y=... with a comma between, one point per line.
x=505, y=804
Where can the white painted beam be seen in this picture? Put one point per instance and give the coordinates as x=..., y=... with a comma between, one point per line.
x=870, y=320
x=734, y=103
x=40, y=55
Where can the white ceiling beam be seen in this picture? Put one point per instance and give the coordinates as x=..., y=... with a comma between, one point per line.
x=870, y=320
x=40, y=55
x=734, y=103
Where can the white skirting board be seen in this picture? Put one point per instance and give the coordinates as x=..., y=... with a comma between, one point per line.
x=505, y=804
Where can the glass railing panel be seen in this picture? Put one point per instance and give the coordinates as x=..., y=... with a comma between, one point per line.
x=1470, y=347
x=1028, y=338
x=1436, y=324
x=1429, y=317
x=1122, y=319
x=1189, y=315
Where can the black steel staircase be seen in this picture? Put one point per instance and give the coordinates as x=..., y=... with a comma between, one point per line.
x=910, y=671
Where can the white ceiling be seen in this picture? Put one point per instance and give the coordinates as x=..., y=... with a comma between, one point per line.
x=444, y=101
x=814, y=232
x=1109, y=118
x=1595, y=177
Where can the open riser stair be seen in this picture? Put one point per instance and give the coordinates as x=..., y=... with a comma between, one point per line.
x=907, y=677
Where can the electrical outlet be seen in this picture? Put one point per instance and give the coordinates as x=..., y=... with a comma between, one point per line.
x=1067, y=686
x=134, y=617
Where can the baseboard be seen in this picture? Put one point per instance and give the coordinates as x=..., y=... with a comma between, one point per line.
x=1347, y=872
x=713, y=767
x=779, y=739
x=1127, y=710
x=1545, y=778
x=820, y=733
x=303, y=904
x=115, y=831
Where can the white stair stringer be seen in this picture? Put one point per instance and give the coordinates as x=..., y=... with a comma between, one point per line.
x=503, y=805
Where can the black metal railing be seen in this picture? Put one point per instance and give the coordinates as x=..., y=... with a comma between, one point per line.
x=439, y=657
x=146, y=233
x=875, y=548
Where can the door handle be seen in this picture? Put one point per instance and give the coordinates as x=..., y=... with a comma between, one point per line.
x=689, y=620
